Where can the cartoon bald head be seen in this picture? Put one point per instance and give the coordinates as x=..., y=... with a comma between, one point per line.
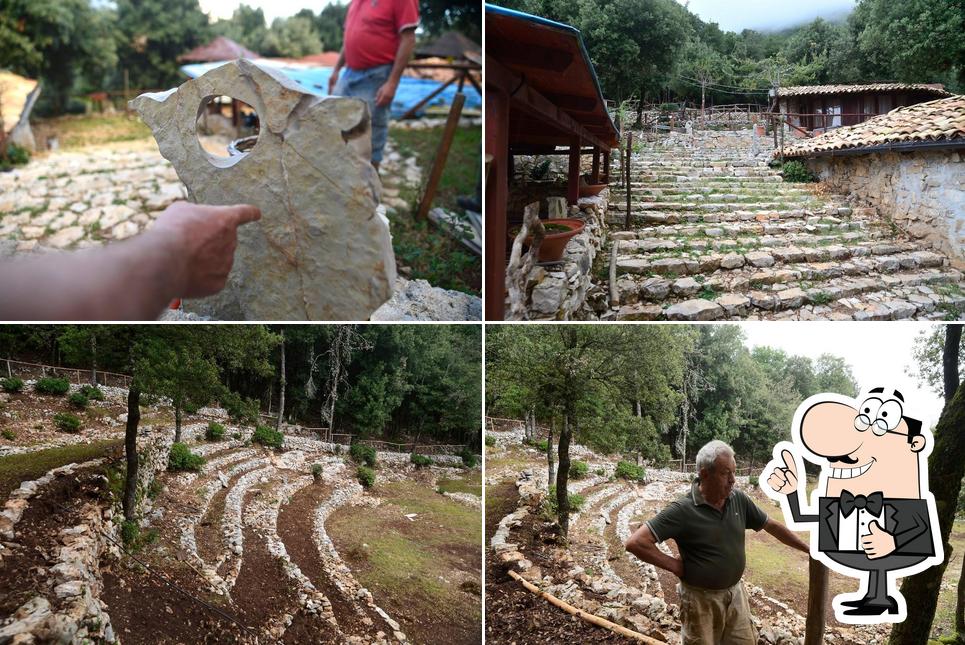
x=871, y=447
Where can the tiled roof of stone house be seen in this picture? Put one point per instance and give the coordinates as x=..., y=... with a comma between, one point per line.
x=942, y=120
x=804, y=90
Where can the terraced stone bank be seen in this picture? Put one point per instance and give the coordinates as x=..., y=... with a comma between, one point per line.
x=716, y=234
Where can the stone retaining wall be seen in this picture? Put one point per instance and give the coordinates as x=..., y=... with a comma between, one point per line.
x=561, y=291
x=924, y=192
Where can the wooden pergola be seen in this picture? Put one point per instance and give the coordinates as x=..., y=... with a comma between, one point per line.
x=542, y=97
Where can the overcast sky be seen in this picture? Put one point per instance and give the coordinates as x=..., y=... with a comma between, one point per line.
x=879, y=354
x=273, y=9
x=766, y=15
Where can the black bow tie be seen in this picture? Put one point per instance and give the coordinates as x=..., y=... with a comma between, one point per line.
x=872, y=502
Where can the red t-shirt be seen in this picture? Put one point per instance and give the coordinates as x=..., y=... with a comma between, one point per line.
x=372, y=29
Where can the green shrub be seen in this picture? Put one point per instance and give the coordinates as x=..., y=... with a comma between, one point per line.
x=363, y=454
x=129, y=532
x=578, y=469
x=77, y=400
x=626, y=470
x=366, y=476
x=92, y=392
x=12, y=385
x=420, y=461
x=8, y=434
x=797, y=171
x=268, y=437
x=469, y=460
x=17, y=156
x=52, y=386
x=240, y=409
x=490, y=441
x=576, y=501
x=753, y=480
x=600, y=472
x=215, y=432
x=67, y=422
x=236, y=436
x=181, y=458
x=317, y=471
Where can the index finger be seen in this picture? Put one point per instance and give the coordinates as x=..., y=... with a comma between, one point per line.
x=244, y=213
x=788, y=458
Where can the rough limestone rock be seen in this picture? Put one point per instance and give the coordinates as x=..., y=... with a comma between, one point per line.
x=321, y=250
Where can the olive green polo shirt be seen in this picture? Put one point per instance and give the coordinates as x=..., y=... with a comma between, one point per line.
x=711, y=542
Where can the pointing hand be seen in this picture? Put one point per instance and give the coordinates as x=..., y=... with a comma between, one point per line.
x=784, y=478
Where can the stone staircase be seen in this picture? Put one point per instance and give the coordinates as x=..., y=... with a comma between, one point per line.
x=715, y=234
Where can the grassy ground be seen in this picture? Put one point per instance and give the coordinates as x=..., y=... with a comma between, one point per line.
x=470, y=483
x=427, y=250
x=429, y=566
x=17, y=468
x=92, y=129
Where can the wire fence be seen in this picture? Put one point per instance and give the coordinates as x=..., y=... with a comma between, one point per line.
x=25, y=370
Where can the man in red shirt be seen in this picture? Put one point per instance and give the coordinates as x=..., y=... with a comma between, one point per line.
x=379, y=39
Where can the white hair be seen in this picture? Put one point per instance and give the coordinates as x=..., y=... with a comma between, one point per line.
x=707, y=456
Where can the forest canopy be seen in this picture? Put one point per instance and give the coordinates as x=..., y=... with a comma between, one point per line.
x=375, y=381
x=657, y=50
x=655, y=391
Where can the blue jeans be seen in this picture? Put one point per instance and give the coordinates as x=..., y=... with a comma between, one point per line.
x=363, y=84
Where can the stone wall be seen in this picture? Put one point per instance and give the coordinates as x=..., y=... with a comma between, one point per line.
x=561, y=291
x=923, y=192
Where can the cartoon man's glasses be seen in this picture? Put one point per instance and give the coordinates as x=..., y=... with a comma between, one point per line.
x=881, y=417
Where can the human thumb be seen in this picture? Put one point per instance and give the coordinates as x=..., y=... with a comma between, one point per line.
x=875, y=528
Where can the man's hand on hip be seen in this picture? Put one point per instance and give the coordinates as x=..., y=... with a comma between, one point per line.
x=332, y=80
x=204, y=238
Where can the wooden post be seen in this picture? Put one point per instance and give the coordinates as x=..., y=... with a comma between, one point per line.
x=626, y=221
x=573, y=177
x=606, y=164
x=439, y=163
x=497, y=191
x=817, y=602
x=595, y=175
x=127, y=91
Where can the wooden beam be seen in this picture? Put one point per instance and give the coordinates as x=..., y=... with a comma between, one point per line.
x=415, y=108
x=497, y=193
x=573, y=177
x=439, y=163
x=531, y=56
x=573, y=101
x=527, y=99
x=817, y=602
x=595, y=174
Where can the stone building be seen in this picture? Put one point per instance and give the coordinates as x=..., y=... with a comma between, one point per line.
x=819, y=108
x=909, y=163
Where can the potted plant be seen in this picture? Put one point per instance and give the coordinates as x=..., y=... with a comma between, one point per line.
x=558, y=234
x=589, y=190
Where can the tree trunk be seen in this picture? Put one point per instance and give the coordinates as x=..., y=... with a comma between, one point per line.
x=945, y=468
x=93, y=359
x=549, y=453
x=953, y=339
x=130, y=450
x=177, y=422
x=562, y=477
x=960, y=605
x=281, y=387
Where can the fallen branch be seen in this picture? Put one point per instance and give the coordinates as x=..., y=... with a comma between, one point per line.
x=590, y=618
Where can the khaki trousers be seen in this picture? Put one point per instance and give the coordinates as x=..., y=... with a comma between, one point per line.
x=715, y=616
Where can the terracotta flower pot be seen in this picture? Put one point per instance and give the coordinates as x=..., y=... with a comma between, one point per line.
x=589, y=190
x=554, y=242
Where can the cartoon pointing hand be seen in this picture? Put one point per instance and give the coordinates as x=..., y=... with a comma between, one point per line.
x=784, y=480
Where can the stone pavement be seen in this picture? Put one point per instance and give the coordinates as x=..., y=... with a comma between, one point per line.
x=715, y=234
x=77, y=199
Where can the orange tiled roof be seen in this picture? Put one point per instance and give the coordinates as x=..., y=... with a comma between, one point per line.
x=802, y=90
x=939, y=120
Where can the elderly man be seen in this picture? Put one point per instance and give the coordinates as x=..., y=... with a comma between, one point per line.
x=708, y=524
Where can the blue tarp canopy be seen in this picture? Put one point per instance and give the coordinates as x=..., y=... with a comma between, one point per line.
x=315, y=80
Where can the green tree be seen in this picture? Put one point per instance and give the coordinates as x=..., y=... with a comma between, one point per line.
x=292, y=37
x=246, y=27
x=330, y=25
x=438, y=16
x=68, y=44
x=153, y=33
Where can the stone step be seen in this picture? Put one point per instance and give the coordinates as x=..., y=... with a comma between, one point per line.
x=658, y=181
x=771, y=232
x=754, y=267
x=642, y=190
x=659, y=165
x=722, y=173
x=908, y=296
x=639, y=206
x=808, y=243
x=616, y=217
